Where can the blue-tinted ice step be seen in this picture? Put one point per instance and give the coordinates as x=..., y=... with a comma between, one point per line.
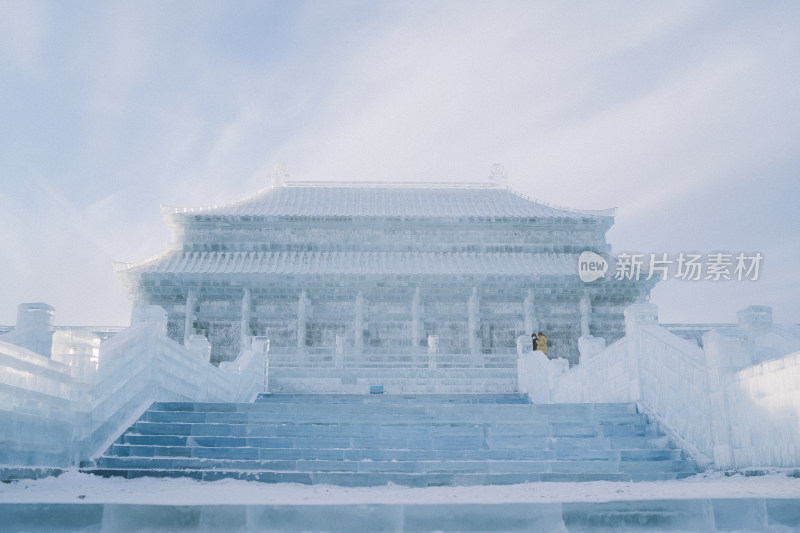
x=414, y=440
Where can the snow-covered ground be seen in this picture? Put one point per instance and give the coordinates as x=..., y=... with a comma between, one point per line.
x=75, y=487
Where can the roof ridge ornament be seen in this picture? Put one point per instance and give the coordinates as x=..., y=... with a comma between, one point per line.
x=279, y=174
x=499, y=176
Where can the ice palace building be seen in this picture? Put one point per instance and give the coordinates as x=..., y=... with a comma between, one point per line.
x=376, y=338
x=417, y=287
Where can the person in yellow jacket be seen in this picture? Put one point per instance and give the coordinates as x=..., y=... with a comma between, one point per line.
x=541, y=344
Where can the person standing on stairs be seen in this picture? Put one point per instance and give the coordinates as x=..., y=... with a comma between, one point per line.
x=541, y=344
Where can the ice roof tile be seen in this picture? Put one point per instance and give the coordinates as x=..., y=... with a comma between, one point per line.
x=308, y=199
x=359, y=263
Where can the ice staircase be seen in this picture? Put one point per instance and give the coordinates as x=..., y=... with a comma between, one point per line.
x=370, y=440
x=451, y=373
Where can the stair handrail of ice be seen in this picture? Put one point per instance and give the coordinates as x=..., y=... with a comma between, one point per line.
x=141, y=365
x=536, y=374
x=724, y=401
x=579, y=383
x=74, y=404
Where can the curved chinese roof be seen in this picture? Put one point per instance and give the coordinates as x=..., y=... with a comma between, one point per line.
x=408, y=200
x=349, y=263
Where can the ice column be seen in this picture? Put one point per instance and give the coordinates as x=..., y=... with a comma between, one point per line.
x=416, y=319
x=188, y=328
x=473, y=307
x=245, y=331
x=433, y=349
x=531, y=324
x=358, y=326
x=586, y=311
x=339, y=359
x=302, y=318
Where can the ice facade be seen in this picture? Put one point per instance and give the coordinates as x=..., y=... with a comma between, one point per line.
x=418, y=278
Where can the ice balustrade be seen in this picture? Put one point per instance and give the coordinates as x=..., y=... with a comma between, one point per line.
x=62, y=410
x=674, y=384
x=723, y=401
x=536, y=373
x=613, y=365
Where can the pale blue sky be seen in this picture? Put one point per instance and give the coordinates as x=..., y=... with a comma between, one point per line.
x=684, y=115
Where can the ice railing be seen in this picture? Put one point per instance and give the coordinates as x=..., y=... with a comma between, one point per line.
x=62, y=411
x=652, y=366
x=672, y=373
x=733, y=402
x=536, y=373
x=581, y=383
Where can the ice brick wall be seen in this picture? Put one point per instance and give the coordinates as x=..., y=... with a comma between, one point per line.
x=36, y=407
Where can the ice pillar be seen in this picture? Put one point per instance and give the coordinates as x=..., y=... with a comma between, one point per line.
x=188, y=327
x=245, y=326
x=531, y=324
x=302, y=319
x=416, y=321
x=473, y=307
x=358, y=325
x=586, y=312
x=339, y=358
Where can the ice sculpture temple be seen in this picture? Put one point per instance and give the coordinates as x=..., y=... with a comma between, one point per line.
x=378, y=335
x=389, y=276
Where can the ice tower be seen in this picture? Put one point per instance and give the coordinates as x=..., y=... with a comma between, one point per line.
x=433, y=277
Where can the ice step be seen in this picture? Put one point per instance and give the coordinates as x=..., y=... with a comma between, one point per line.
x=409, y=467
x=520, y=423
x=338, y=454
x=411, y=440
x=372, y=479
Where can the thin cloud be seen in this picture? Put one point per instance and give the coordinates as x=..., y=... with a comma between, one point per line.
x=639, y=106
x=24, y=29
